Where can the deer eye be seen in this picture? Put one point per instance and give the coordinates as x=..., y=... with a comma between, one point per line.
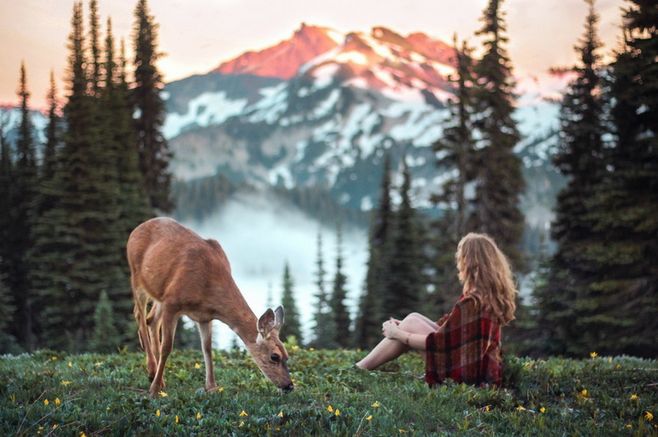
x=275, y=358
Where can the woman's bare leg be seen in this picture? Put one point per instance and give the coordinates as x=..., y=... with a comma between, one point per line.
x=431, y=323
x=388, y=349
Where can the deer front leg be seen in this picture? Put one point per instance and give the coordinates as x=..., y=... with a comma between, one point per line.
x=168, y=323
x=153, y=323
x=205, y=330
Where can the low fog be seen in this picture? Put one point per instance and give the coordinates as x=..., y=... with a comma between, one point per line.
x=259, y=233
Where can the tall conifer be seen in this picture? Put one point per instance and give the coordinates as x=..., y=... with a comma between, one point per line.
x=153, y=149
x=21, y=233
x=499, y=181
x=568, y=305
x=372, y=305
x=339, y=294
x=324, y=327
x=406, y=260
x=292, y=325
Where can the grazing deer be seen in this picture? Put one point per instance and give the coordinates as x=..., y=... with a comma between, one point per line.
x=183, y=274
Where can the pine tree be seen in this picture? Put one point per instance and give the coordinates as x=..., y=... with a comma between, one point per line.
x=7, y=340
x=371, y=309
x=338, y=296
x=292, y=326
x=406, y=259
x=499, y=181
x=105, y=338
x=6, y=198
x=95, y=61
x=153, y=149
x=121, y=140
x=626, y=280
x=324, y=328
x=569, y=307
x=455, y=152
x=20, y=229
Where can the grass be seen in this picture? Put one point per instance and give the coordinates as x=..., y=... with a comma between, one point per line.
x=51, y=393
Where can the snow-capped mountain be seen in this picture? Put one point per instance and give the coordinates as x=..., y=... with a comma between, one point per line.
x=322, y=107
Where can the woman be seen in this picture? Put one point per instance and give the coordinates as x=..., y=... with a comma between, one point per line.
x=463, y=345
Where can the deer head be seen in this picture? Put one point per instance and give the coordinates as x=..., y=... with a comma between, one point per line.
x=269, y=353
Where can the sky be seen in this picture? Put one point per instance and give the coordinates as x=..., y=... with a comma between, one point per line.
x=197, y=35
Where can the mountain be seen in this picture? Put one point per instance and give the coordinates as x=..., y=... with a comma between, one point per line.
x=321, y=108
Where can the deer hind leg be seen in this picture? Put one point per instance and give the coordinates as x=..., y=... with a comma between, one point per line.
x=141, y=301
x=205, y=330
x=168, y=321
x=155, y=334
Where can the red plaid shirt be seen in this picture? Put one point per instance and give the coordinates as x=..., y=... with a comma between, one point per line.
x=466, y=347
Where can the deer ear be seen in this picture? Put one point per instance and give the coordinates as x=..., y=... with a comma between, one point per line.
x=267, y=322
x=279, y=315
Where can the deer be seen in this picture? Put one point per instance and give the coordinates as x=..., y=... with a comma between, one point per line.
x=179, y=273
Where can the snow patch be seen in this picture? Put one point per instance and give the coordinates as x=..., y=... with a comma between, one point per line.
x=203, y=110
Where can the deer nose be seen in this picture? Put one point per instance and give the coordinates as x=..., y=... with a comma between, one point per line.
x=288, y=388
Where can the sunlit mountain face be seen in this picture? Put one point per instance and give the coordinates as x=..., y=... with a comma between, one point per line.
x=321, y=108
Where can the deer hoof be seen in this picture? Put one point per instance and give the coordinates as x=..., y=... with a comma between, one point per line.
x=211, y=388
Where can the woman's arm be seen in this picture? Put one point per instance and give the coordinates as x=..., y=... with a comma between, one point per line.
x=415, y=341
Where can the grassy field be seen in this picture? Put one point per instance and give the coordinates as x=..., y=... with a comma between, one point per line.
x=49, y=393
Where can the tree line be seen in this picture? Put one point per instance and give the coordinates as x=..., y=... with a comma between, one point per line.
x=69, y=204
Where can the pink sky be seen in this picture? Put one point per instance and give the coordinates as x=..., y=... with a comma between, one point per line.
x=197, y=35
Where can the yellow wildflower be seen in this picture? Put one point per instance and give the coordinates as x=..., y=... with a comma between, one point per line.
x=593, y=355
x=648, y=416
x=629, y=426
x=311, y=349
x=330, y=409
x=157, y=413
x=55, y=426
x=618, y=366
x=65, y=382
x=198, y=416
x=70, y=364
x=241, y=424
x=584, y=393
x=220, y=389
x=634, y=397
x=82, y=434
x=46, y=402
x=197, y=365
x=369, y=418
x=58, y=402
x=520, y=408
x=376, y=404
x=98, y=364
x=337, y=412
x=177, y=419
x=54, y=358
x=487, y=408
x=402, y=431
x=163, y=394
x=280, y=414
x=243, y=413
x=542, y=410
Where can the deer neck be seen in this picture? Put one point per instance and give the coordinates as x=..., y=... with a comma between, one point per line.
x=237, y=314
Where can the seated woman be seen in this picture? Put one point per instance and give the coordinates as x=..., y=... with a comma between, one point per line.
x=463, y=345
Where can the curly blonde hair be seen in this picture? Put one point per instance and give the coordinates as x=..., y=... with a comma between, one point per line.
x=486, y=276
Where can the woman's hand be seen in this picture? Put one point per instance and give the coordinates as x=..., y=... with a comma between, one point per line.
x=390, y=329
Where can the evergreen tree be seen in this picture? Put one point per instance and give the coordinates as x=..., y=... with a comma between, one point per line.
x=105, y=338
x=371, y=309
x=499, y=181
x=406, y=260
x=121, y=140
x=47, y=169
x=154, y=152
x=338, y=296
x=6, y=199
x=568, y=305
x=7, y=340
x=455, y=152
x=292, y=326
x=95, y=61
x=324, y=329
x=84, y=223
x=625, y=210
x=20, y=229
